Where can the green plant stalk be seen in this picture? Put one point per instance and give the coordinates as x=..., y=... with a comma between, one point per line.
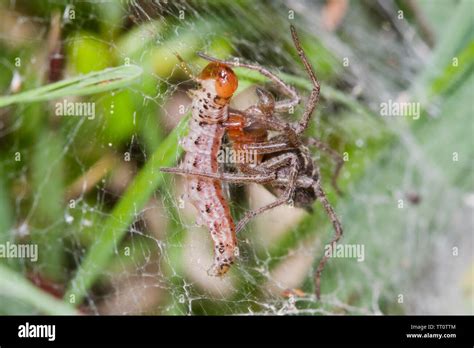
x=174, y=269
x=95, y=82
x=15, y=286
x=115, y=226
x=452, y=74
x=47, y=181
x=6, y=211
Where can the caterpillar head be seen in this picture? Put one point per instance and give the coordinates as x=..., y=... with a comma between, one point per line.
x=224, y=78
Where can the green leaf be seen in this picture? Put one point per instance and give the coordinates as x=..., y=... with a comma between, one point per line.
x=95, y=82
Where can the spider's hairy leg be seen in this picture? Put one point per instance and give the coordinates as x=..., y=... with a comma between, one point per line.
x=335, y=156
x=229, y=177
x=267, y=147
x=185, y=67
x=290, y=160
x=337, y=235
x=314, y=96
x=283, y=105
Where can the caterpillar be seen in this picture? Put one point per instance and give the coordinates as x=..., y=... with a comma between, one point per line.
x=210, y=103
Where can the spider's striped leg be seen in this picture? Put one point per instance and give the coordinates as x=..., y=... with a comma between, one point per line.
x=336, y=157
x=282, y=105
x=229, y=177
x=314, y=96
x=337, y=236
x=280, y=161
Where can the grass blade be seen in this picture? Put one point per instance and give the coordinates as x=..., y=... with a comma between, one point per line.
x=16, y=286
x=114, y=228
x=95, y=82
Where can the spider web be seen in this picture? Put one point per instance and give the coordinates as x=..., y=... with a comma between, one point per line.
x=73, y=171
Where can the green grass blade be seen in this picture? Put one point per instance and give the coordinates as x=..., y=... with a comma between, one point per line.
x=114, y=228
x=15, y=286
x=6, y=211
x=95, y=82
x=457, y=34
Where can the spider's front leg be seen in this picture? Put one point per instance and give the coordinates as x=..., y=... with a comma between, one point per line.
x=336, y=157
x=283, y=105
x=287, y=159
x=314, y=96
x=228, y=177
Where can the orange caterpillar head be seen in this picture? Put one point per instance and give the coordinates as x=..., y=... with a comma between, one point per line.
x=224, y=76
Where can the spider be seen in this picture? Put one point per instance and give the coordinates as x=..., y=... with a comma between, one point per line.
x=285, y=162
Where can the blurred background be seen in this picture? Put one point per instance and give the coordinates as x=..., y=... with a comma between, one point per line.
x=114, y=235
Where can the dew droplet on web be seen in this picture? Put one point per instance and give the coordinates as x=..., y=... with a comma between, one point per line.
x=68, y=218
x=86, y=223
x=469, y=200
x=16, y=82
x=23, y=230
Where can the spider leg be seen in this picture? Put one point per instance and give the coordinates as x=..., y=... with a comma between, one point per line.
x=286, y=196
x=288, y=131
x=229, y=177
x=336, y=157
x=314, y=96
x=186, y=68
x=267, y=147
x=337, y=236
x=282, y=86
